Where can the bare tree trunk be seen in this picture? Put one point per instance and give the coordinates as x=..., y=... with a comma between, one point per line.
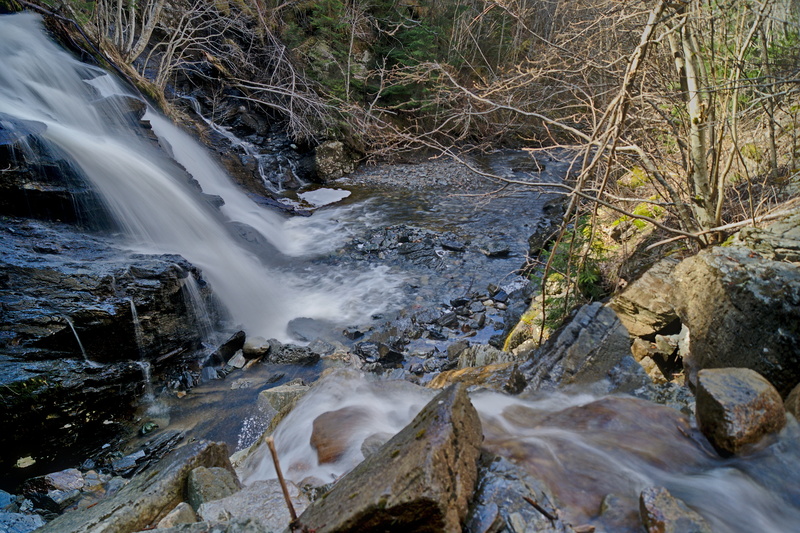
x=703, y=199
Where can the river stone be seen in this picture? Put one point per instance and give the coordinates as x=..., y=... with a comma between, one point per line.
x=8, y=502
x=148, y=497
x=584, y=351
x=742, y=311
x=65, y=480
x=230, y=347
x=292, y=354
x=245, y=525
x=20, y=523
x=792, y=402
x=283, y=396
x=181, y=514
x=503, y=377
x=421, y=480
x=374, y=443
x=238, y=360
x=643, y=307
x=331, y=431
x=663, y=513
x=481, y=355
x=332, y=161
x=737, y=407
x=255, y=347
x=207, y=484
x=262, y=502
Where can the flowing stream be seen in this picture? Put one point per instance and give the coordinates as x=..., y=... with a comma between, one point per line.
x=582, y=446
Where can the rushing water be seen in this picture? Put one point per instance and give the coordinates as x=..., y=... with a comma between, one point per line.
x=583, y=447
x=151, y=198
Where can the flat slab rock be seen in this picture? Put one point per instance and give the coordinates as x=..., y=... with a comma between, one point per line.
x=261, y=502
x=737, y=407
x=421, y=480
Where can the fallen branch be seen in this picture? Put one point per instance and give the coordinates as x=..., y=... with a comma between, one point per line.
x=271, y=444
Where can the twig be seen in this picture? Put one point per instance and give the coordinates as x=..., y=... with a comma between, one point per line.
x=540, y=508
x=284, y=488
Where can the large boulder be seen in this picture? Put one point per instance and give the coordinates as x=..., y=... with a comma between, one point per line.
x=504, y=377
x=209, y=484
x=736, y=407
x=742, y=310
x=421, y=480
x=148, y=498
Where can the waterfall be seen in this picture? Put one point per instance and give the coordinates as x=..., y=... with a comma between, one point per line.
x=150, y=196
x=80, y=344
x=137, y=328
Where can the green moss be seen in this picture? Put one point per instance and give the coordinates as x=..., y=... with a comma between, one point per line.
x=753, y=152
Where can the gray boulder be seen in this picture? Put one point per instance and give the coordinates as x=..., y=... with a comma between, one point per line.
x=737, y=407
x=19, y=522
x=332, y=161
x=421, y=480
x=742, y=311
x=181, y=514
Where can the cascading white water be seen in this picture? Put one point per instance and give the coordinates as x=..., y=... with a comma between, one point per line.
x=583, y=446
x=150, y=198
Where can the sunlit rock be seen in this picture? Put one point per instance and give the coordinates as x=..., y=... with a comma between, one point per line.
x=742, y=311
x=663, y=513
x=737, y=407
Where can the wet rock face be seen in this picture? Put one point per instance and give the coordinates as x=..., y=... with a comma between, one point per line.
x=737, y=407
x=57, y=288
x=38, y=182
x=742, y=311
x=421, y=480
